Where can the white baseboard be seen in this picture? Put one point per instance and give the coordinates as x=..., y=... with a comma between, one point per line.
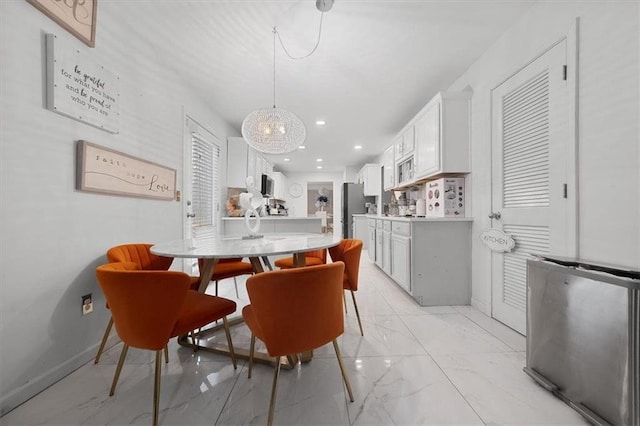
x=481, y=307
x=36, y=385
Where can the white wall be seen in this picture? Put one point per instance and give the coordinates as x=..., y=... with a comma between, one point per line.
x=53, y=236
x=298, y=206
x=608, y=140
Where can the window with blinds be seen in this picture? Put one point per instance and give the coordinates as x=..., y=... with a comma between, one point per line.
x=205, y=156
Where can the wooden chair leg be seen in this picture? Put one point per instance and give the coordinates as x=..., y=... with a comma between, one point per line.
x=252, y=347
x=274, y=392
x=156, y=387
x=123, y=355
x=230, y=343
x=104, y=340
x=345, y=377
x=166, y=354
x=355, y=305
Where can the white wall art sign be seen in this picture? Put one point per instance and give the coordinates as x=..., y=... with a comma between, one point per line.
x=104, y=170
x=81, y=89
x=497, y=240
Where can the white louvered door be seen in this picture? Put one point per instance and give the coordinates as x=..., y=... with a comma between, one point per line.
x=201, y=189
x=529, y=156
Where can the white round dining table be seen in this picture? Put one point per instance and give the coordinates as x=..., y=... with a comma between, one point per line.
x=220, y=247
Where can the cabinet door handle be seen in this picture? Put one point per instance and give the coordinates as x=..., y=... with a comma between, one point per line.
x=191, y=215
x=495, y=215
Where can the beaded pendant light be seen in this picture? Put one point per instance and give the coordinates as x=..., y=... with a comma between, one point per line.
x=276, y=130
x=273, y=130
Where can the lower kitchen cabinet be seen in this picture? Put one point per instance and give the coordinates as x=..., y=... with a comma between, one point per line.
x=360, y=230
x=371, y=249
x=379, y=245
x=429, y=258
x=401, y=261
x=386, y=251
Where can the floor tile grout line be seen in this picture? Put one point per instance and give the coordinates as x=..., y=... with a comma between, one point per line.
x=489, y=331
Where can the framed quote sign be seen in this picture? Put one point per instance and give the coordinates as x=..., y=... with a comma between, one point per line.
x=81, y=89
x=104, y=170
x=76, y=16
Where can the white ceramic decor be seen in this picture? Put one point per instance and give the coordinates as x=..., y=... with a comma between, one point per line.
x=250, y=201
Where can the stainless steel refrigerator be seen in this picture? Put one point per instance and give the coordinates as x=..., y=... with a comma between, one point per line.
x=353, y=202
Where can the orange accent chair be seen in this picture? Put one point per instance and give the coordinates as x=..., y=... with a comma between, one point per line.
x=229, y=268
x=151, y=307
x=312, y=258
x=140, y=254
x=348, y=251
x=293, y=311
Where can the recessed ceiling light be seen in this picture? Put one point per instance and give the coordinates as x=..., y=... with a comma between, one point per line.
x=357, y=147
x=319, y=160
x=319, y=167
x=286, y=159
x=302, y=147
x=320, y=123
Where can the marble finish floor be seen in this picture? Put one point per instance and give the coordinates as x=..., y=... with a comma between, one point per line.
x=449, y=365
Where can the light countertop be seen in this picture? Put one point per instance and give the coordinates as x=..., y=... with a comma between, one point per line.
x=416, y=219
x=276, y=218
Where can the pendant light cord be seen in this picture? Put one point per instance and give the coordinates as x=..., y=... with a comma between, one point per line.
x=308, y=54
x=274, y=67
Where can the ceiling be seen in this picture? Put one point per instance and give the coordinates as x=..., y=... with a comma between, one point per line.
x=377, y=64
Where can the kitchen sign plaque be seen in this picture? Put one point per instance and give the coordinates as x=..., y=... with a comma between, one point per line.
x=497, y=240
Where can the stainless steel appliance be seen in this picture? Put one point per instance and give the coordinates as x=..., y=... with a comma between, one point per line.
x=583, y=337
x=353, y=202
x=266, y=187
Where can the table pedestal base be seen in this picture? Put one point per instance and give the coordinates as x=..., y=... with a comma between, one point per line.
x=288, y=362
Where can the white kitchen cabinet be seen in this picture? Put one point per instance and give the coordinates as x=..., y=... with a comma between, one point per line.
x=243, y=161
x=442, y=136
x=360, y=230
x=405, y=141
x=370, y=176
x=401, y=253
x=379, y=243
x=401, y=261
x=237, y=150
x=280, y=185
x=386, y=250
x=430, y=258
x=388, y=169
x=371, y=250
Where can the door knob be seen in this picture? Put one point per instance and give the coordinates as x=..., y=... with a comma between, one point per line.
x=495, y=215
x=191, y=215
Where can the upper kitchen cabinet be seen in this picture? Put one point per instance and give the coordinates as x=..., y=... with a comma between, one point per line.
x=405, y=142
x=243, y=161
x=389, y=169
x=237, y=156
x=442, y=136
x=280, y=185
x=371, y=177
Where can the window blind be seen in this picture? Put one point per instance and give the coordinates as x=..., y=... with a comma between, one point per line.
x=205, y=156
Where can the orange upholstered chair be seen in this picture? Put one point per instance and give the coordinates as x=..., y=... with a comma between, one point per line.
x=348, y=251
x=140, y=254
x=311, y=258
x=229, y=268
x=296, y=310
x=150, y=307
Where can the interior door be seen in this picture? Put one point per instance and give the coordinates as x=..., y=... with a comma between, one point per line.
x=530, y=146
x=201, y=189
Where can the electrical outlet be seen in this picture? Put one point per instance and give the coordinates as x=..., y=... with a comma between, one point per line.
x=87, y=304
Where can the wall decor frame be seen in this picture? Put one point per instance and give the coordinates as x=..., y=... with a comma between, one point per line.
x=76, y=16
x=81, y=89
x=103, y=170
